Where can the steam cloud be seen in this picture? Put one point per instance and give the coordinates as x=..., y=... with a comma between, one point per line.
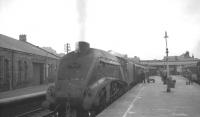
x=81, y=7
x=192, y=8
x=196, y=50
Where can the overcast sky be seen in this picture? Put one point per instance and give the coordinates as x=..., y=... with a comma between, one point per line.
x=133, y=27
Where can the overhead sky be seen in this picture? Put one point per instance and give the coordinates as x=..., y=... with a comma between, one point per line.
x=132, y=27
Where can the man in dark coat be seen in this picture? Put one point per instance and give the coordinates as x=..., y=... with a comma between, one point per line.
x=164, y=77
x=189, y=76
x=143, y=76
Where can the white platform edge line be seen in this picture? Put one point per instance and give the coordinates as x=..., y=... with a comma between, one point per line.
x=134, y=100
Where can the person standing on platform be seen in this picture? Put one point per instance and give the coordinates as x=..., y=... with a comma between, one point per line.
x=147, y=76
x=143, y=76
x=189, y=74
x=164, y=77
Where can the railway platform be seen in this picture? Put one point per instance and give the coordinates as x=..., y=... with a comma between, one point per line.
x=20, y=102
x=23, y=92
x=152, y=100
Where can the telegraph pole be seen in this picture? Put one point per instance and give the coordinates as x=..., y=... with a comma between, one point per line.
x=167, y=63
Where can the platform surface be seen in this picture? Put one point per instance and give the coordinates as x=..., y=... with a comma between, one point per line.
x=152, y=100
x=23, y=92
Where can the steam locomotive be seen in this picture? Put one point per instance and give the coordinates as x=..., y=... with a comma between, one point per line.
x=89, y=79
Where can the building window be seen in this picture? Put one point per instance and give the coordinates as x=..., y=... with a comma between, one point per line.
x=25, y=70
x=51, y=67
x=47, y=70
x=6, y=70
x=1, y=70
x=19, y=71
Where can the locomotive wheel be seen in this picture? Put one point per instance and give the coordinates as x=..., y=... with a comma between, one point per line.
x=82, y=113
x=91, y=114
x=122, y=89
x=61, y=110
x=114, y=91
x=70, y=112
x=102, y=100
x=65, y=110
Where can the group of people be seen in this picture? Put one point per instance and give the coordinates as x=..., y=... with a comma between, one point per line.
x=145, y=76
x=189, y=77
x=187, y=74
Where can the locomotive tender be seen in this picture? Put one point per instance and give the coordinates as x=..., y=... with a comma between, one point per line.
x=89, y=79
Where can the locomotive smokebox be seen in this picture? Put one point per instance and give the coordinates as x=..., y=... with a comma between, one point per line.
x=83, y=47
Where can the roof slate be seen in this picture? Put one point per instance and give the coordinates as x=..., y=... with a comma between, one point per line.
x=14, y=44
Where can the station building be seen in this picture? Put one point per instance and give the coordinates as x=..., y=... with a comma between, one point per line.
x=176, y=63
x=23, y=64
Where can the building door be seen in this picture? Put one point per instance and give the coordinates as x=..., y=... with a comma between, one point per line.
x=38, y=72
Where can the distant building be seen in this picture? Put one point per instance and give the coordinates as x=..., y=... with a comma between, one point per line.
x=49, y=49
x=176, y=63
x=117, y=54
x=23, y=64
x=183, y=57
x=135, y=59
x=61, y=54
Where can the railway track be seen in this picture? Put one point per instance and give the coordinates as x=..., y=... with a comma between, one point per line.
x=39, y=113
x=14, y=107
x=30, y=106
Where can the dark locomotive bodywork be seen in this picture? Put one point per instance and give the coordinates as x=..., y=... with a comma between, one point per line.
x=89, y=79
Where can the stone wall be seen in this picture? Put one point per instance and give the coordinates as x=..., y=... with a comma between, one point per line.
x=5, y=70
x=21, y=66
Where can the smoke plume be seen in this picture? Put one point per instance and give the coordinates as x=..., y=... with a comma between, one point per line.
x=81, y=7
x=192, y=8
x=196, y=50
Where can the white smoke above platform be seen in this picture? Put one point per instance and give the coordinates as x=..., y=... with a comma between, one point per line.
x=81, y=7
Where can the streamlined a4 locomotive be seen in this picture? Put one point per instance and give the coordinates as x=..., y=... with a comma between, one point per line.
x=89, y=79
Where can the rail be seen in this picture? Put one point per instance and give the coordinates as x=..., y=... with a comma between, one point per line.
x=39, y=113
x=17, y=106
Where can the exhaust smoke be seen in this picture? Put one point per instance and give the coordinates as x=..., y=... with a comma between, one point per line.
x=81, y=7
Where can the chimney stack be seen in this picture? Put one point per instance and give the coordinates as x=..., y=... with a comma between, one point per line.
x=83, y=46
x=22, y=37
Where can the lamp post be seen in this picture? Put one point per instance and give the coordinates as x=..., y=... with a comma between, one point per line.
x=167, y=64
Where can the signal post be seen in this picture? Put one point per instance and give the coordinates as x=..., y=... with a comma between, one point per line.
x=167, y=65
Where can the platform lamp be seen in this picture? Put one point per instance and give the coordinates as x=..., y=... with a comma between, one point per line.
x=167, y=64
